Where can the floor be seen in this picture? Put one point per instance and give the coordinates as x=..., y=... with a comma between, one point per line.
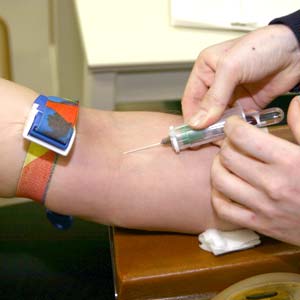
x=40, y=262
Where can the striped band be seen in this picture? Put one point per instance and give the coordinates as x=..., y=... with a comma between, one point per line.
x=51, y=124
x=35, y=176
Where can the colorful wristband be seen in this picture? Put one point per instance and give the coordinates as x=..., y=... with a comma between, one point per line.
x=51, y=127
x=51, y=123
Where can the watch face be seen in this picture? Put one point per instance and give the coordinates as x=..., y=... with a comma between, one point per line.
x=271, y=286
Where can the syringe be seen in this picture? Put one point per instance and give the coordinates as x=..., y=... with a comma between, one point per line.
x=183, y=136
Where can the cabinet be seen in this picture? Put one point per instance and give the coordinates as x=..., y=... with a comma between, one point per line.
x=133, y=53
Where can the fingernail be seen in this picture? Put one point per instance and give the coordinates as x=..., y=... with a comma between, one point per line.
x=197, y=119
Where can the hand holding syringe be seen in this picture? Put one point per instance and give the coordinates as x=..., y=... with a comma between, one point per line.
x=183, y=137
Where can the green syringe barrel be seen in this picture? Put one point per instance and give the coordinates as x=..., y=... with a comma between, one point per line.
x=182, y=137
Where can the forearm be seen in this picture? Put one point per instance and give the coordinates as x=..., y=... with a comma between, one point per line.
x=154, y=189
x=15, y=103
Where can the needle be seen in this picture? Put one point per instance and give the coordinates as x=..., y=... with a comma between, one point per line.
x=142, y=148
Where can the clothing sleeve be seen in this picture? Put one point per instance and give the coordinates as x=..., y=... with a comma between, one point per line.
x=293, y=22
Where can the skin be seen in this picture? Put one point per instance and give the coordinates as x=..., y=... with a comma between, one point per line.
x=253, y=69
x=153, y=190
x=255, y=186
x=255, y=176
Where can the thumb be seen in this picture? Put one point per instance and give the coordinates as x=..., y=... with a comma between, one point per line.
x=293, y=117
x=215, y=100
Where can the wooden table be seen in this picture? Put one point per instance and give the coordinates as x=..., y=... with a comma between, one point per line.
x=151, y=265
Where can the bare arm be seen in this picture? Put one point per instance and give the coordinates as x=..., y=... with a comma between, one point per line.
x=155, y=189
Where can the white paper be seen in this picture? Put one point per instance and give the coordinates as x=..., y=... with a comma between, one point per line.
x=229, y=14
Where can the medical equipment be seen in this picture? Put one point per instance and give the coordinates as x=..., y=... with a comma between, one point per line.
x=183, y=136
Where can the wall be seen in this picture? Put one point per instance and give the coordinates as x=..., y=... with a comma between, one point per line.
x=69, y=56
x=30, y=45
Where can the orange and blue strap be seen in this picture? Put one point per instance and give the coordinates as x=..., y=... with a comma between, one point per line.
x=51, y=123
x=36, y=173
x=51, y=130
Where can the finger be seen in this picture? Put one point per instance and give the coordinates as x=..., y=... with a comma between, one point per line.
x=195, y=88
x=217, y=97
x=246, y=97
x=255, y=142
x=237, y=189
x=293, y=118
x=251, y=170
x=243, y=217
x=232, y=212
x=218, y=142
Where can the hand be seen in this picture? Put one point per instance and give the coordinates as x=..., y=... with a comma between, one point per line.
x=254, y=69
x=256, y=179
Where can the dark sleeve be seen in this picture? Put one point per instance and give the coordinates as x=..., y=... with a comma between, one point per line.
x=292, y=21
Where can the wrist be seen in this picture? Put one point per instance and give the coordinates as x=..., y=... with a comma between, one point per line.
x=287, y=50
x=286, y=37
x=15, y=102
x=292, y=21
x=290, y=28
